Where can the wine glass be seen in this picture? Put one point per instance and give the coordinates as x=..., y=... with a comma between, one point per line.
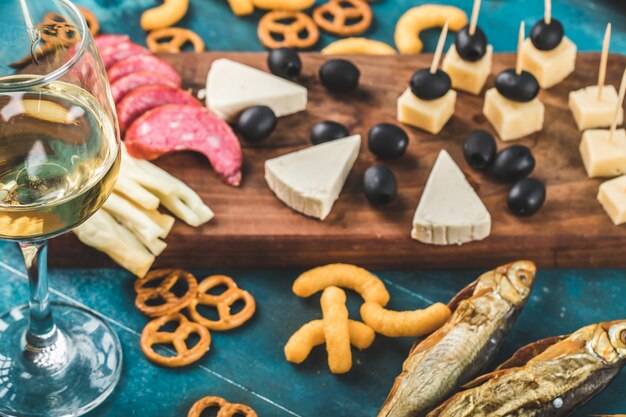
x=59, y=159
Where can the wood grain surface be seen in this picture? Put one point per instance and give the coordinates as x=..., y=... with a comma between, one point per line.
x=253, y=229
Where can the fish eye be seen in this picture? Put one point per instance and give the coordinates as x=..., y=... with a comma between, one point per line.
x=617, y=335
x=622, y=337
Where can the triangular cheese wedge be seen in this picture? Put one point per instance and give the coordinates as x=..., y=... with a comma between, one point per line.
x=449, y=211
x=233, y=87
x=310, y=180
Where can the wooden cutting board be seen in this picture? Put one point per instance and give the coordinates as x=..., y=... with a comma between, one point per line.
x=253, y=229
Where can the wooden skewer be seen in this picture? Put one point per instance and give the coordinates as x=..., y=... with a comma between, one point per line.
x=603, y=60
x=474, y=20
x=520, y=41
x=547, y=12
x=620, y=103
x=439, y=50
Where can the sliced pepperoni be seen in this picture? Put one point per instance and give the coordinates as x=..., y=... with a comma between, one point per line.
x=113, y=54
x=142, y=99
x=175, y=127
x=127, y=83
x=144, y=62
x=105, y=41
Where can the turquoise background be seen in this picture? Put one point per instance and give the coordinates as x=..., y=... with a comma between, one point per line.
x=247, y=365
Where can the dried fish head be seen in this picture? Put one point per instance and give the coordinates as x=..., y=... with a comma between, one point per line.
x=512, y=282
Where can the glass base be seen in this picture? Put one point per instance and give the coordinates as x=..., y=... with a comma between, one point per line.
x=69, y=377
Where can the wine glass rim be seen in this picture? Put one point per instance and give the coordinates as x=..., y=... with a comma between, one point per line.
x=63, y=69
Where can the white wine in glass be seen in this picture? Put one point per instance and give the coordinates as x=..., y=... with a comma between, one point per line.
x=59, y=159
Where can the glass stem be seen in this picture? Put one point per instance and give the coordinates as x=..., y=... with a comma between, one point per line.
x=42, y=331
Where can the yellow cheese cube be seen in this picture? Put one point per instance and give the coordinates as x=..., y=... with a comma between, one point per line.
x=430, y=115
x=467, y=75
x=604, y=156
x=549, y=67
x=512, y=119
x=589, y=112
x=612, y=196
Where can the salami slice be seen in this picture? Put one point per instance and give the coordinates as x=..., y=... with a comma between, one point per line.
x=105, y=41
x=113, y=54
x=142, y=99
x=127, y=83
x=141, y=63
x=175, y=127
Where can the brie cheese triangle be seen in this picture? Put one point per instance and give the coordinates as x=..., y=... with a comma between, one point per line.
x=233, y=87
x=310, y=180
x=449, y=211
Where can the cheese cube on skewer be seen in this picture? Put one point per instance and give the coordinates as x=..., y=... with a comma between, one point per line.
x=430, y=115
x=549, y=67
x=589, y=112
x=466, y=75
x=511, y=119
x=603, y=156
x=612, y=196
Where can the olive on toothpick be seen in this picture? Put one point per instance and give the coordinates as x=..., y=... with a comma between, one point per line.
x=547, y=36
x=515, y=84
x=547, y=33
x=471, y=47
x=432, y=83
x=470, y=42
x=522, y=87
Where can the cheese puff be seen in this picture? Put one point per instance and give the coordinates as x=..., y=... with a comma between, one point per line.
x=348, y=276
x=404, y=323
x=301, y=343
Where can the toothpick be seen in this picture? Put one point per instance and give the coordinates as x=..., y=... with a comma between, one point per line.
x=474, y=20
x=603, y=60
x=620, y=104
x=520, y=41
x=547, y=13
x=28, y=21
x=439, y=50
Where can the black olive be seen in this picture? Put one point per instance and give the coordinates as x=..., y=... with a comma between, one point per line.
x=387, y=140
x=429, y=86
x=546, y=36
x=379, y=184
x=521, y=87
x=284, y=62
x=256, y=123
x=526, y=197
x=339, y=75
x=326, y=131
x=513, y=163
x=479, y=149
x=470, y=47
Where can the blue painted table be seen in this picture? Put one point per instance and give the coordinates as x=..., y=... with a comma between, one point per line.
x=247, y=365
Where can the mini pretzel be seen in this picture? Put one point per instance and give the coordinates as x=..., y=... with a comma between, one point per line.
x=427, y=16
x=184, y=356
x=172, y=40
x=342, y=275
x=55, y=33
x=271, y=25
x=172, y=303
x=365, y=46
x=226, y=409
x=301, y=343
x=165, y=15
x=404, y=323
x=336, y=19
x=92, y=21
x=223, y=303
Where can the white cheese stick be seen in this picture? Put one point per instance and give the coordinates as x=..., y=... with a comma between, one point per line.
x=103, y=233
x=183, y=202
x=133, y=218
x=128, y=188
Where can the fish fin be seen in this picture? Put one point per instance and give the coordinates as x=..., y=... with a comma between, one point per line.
x=464, y=294
x=526, y=353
